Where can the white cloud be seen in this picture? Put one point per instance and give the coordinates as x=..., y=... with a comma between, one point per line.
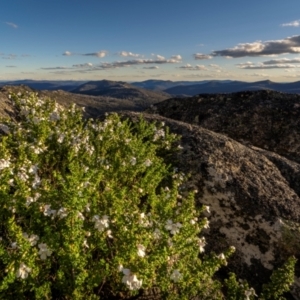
x=13, y=25
x=250, y=65
x=177, y=57
x=245, y=64
x=151, y=68
x=134, y=62
x=292, y=24
x=55, y=68
x=282, y=61
x=214, y=66
x=259, y=75
x=11, y=66
x=202, y=56
x=259, y=48
x=67, y=53
x=194, y=68
x=86, y=65
x=97, y=54
x=130, y=54
x=200, y=75
x=10, y=56
x=160, y=57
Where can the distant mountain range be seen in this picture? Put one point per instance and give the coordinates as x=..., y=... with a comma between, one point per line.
x=158, y=89
x=65, y=85
x=214, y=87
x=162, y=85
x=118, y=89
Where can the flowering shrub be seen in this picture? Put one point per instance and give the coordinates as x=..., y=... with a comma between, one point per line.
x=90, y=209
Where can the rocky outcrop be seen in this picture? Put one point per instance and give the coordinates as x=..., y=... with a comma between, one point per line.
x=250, y=198
x=267, y=123
x=266, y=119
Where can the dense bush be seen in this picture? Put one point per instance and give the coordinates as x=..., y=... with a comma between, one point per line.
x=91, y=210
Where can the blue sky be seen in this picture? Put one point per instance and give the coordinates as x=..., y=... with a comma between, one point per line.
x=136, y=40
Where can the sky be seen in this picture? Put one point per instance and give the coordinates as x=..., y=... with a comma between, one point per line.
x=137, y=40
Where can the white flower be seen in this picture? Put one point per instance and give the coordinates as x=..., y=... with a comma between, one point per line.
x=61, y=138
x=48, y=211
x=102, y=223
x=176, y=275
x=159, y=134
x=148, y=163
x=54, y=116
x=156, y=233
x=140, y=190
x=29, y=200
x=90, y=150
x=133, y=161
x=194, y=221
x=36, y=182
x=87, y=208
x=173, y=227
x=250, y=292
x=14, y=245
x=22, y=174
x=206, y=208
x=44, y=251
x=131, y=280
x=201, y=243
x=23, y=271
x=31, y=239
x=223, y=258
x=80, y=216
x=206, y=225
x=37, y=150
x=33, y=169
x=120, y=268
x=85, y=244
x=141, y=250
x=62, y=212
x=108, y=233
x=143, y=221
x=170, y=243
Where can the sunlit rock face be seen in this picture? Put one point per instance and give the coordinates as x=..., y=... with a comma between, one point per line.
x=251, y=197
